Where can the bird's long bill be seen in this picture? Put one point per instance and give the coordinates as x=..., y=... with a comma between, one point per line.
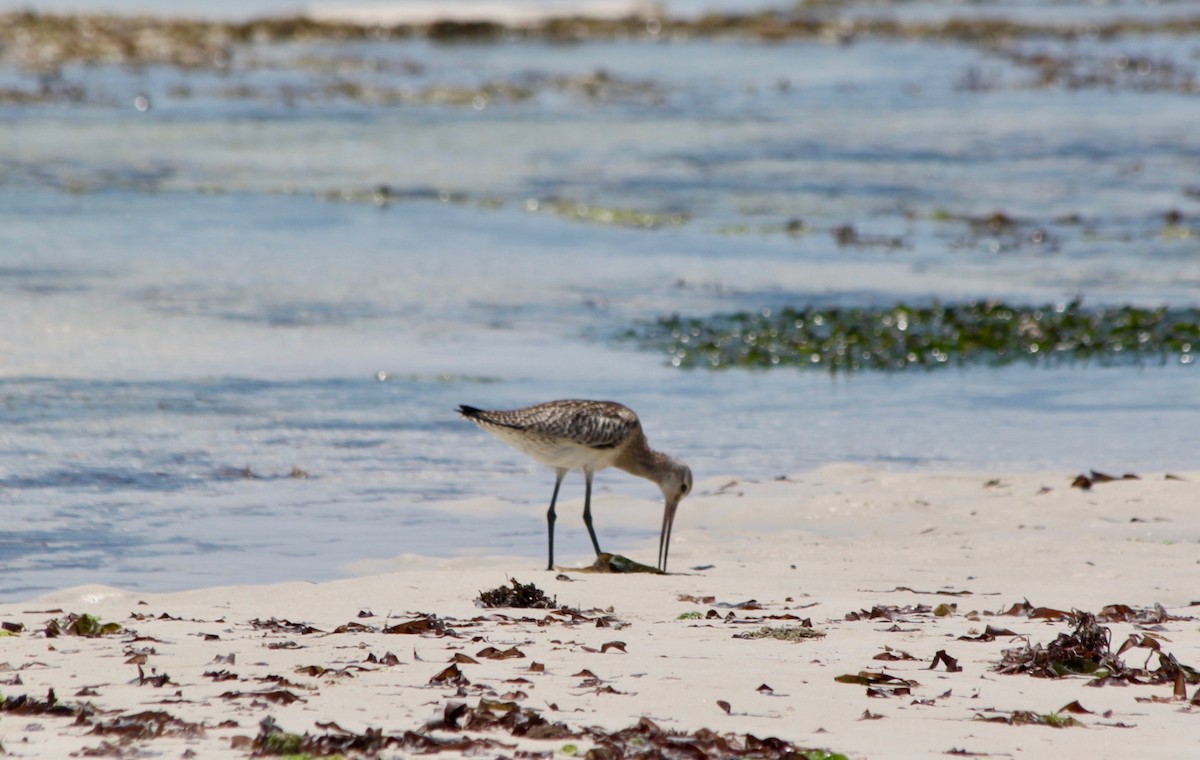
x=664, y=538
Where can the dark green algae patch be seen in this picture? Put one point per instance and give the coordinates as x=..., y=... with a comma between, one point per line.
x=993, y=333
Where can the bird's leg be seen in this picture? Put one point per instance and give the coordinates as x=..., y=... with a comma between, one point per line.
x=551, y=517
x=664, y=542
x=587, y=508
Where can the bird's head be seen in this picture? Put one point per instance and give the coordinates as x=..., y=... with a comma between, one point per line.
x=676, y=482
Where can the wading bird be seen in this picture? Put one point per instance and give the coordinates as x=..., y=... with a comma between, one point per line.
x=589, y=436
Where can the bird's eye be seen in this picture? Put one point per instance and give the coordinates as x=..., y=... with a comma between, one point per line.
x=684, y=488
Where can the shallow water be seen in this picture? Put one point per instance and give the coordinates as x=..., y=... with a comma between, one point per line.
x=236, y=323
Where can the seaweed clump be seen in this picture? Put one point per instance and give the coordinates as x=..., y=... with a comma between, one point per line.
x=644, y=739
x=1087, y=651
x=85, y=625
x=127, y=731
x=524, y=595
x=23, y=704
x=902, y=336
x=1084, y=651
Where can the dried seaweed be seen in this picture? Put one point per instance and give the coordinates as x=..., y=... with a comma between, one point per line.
x=220, y=675
x=870, y=678
x=320, y=671
x=941, y=658
x=272, y=741
x=1085, y=482
x=23, y=704
x=1025, y=609
x=450, y=676
x=80, y=625
x=890, y=612
x=782, y=633
x=645, y=739
x=421, y=625
x=942, y=592
x=1112, y=613
x=565, y=616
x=492, y=653
x=990, y=633
x=128, y=728
x=525, y=595
x=387, y=659
x=749, y=604
x=1084, y=651
x=276, y=696
x=155, y=679
x=275, y=625
x=1123, y=613
x=1087, y=651
x=1029, y=718
x=148, y=724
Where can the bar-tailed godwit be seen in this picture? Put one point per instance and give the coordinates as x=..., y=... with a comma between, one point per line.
x=589, y=436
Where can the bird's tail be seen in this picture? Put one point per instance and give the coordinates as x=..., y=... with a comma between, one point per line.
x=489, y=419
x=469, y=412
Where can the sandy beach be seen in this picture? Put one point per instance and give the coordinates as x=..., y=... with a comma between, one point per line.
x=864, y=575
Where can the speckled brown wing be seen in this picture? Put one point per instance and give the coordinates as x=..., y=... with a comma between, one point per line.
x=594, y=424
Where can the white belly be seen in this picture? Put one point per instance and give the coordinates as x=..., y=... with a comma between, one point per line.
x=556, y=453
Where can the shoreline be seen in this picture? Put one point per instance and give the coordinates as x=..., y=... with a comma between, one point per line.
x=896, y=565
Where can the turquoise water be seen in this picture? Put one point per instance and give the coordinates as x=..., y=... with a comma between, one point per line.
x=239, y=312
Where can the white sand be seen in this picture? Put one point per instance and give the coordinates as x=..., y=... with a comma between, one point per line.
x=819, y=546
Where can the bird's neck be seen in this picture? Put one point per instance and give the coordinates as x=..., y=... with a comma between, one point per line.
x=644, y=462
